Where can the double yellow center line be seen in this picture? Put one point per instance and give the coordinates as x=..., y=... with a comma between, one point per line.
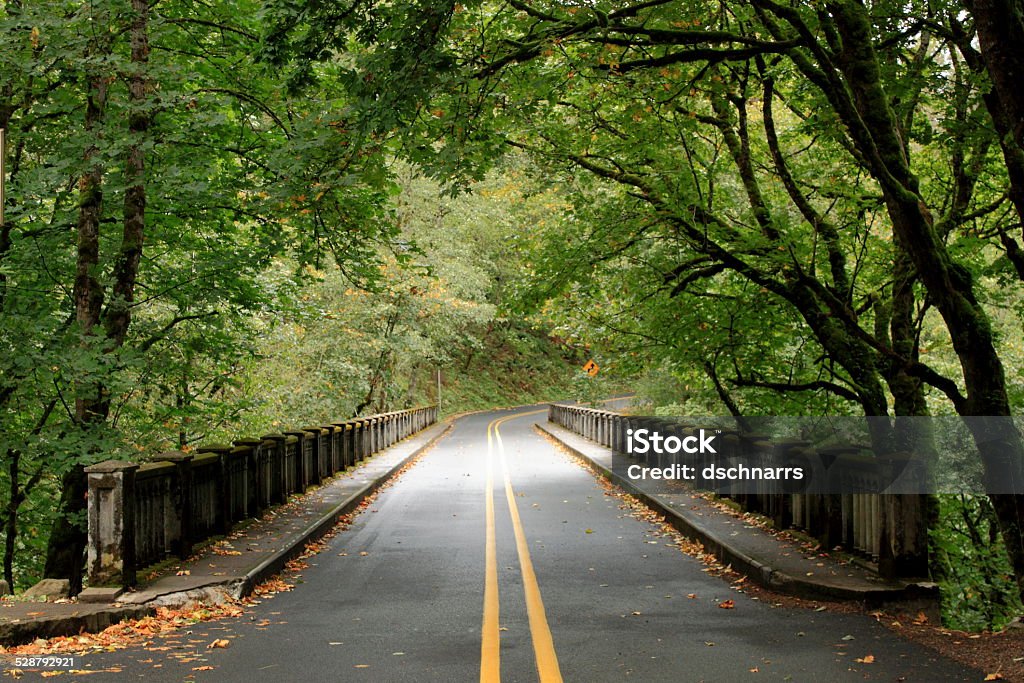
x=543, y=644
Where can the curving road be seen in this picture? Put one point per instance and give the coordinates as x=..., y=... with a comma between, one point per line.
x=498, y=558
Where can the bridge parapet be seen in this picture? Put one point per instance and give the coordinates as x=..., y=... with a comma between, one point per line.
x=139, y=515
x=848, y=507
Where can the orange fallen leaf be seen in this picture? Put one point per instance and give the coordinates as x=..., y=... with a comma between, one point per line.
x=727, y=604
x=866, y=659
x=994, y=677
x=691, y=595
x=921, y=618
x=202, y=668
x=220, y=642
x=754, y=670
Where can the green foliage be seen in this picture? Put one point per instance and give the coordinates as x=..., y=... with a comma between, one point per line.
x=237, y=174
x=975, y=578
x=786, y=208
x=442, y=300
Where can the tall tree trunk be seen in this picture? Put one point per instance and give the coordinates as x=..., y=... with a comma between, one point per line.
x=906, y=518
x=1000, y=26
x=66, y=549
x=66, y=544
x=950, y=286
x=11, y=516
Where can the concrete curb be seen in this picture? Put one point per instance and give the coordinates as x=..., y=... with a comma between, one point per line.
x=274, y=565
x=760, y=573
x=21, y=632
x=98, y=618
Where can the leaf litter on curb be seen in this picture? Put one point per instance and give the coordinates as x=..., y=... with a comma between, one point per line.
x=164, y=621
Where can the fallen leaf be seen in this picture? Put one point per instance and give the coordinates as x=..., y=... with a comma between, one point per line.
x=202, y=668
x=183, y=572
x=221, y=642
x=727, y=604
x=921, y=618
x=866, y=659
x=994, y=677
x=691, y=595
x=754, y=670
x=362, y=666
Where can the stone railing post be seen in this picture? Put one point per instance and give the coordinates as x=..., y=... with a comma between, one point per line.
x=303, y=473
x=178, y=519
x=366, y=425
x=253, y=481
x=225, y=488
x=347, y=445
x=278, y=474
x=111, y=510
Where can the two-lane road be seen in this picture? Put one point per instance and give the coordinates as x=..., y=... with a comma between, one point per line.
x=498, y=558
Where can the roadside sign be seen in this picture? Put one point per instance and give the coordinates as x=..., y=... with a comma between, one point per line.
x=591, y=368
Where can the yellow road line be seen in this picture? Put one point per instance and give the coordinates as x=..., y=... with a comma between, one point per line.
x=543, y=643
x=490, y=651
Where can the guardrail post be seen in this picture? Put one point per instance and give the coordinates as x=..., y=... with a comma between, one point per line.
x=332, y=457
x=366, y=428
x=224, y=489
x=253, y=476
x=111, y=510
x=311, y=439
x=178, y=518
x=302, y=468
x=348, y=445
x=278, y=478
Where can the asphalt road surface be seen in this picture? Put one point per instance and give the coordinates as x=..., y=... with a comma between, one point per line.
x=498, y=558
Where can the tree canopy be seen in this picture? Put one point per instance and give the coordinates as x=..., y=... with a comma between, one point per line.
x=783, y=207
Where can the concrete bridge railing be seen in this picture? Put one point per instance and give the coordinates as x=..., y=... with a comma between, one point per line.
x=139, y=515
x=850, y=512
